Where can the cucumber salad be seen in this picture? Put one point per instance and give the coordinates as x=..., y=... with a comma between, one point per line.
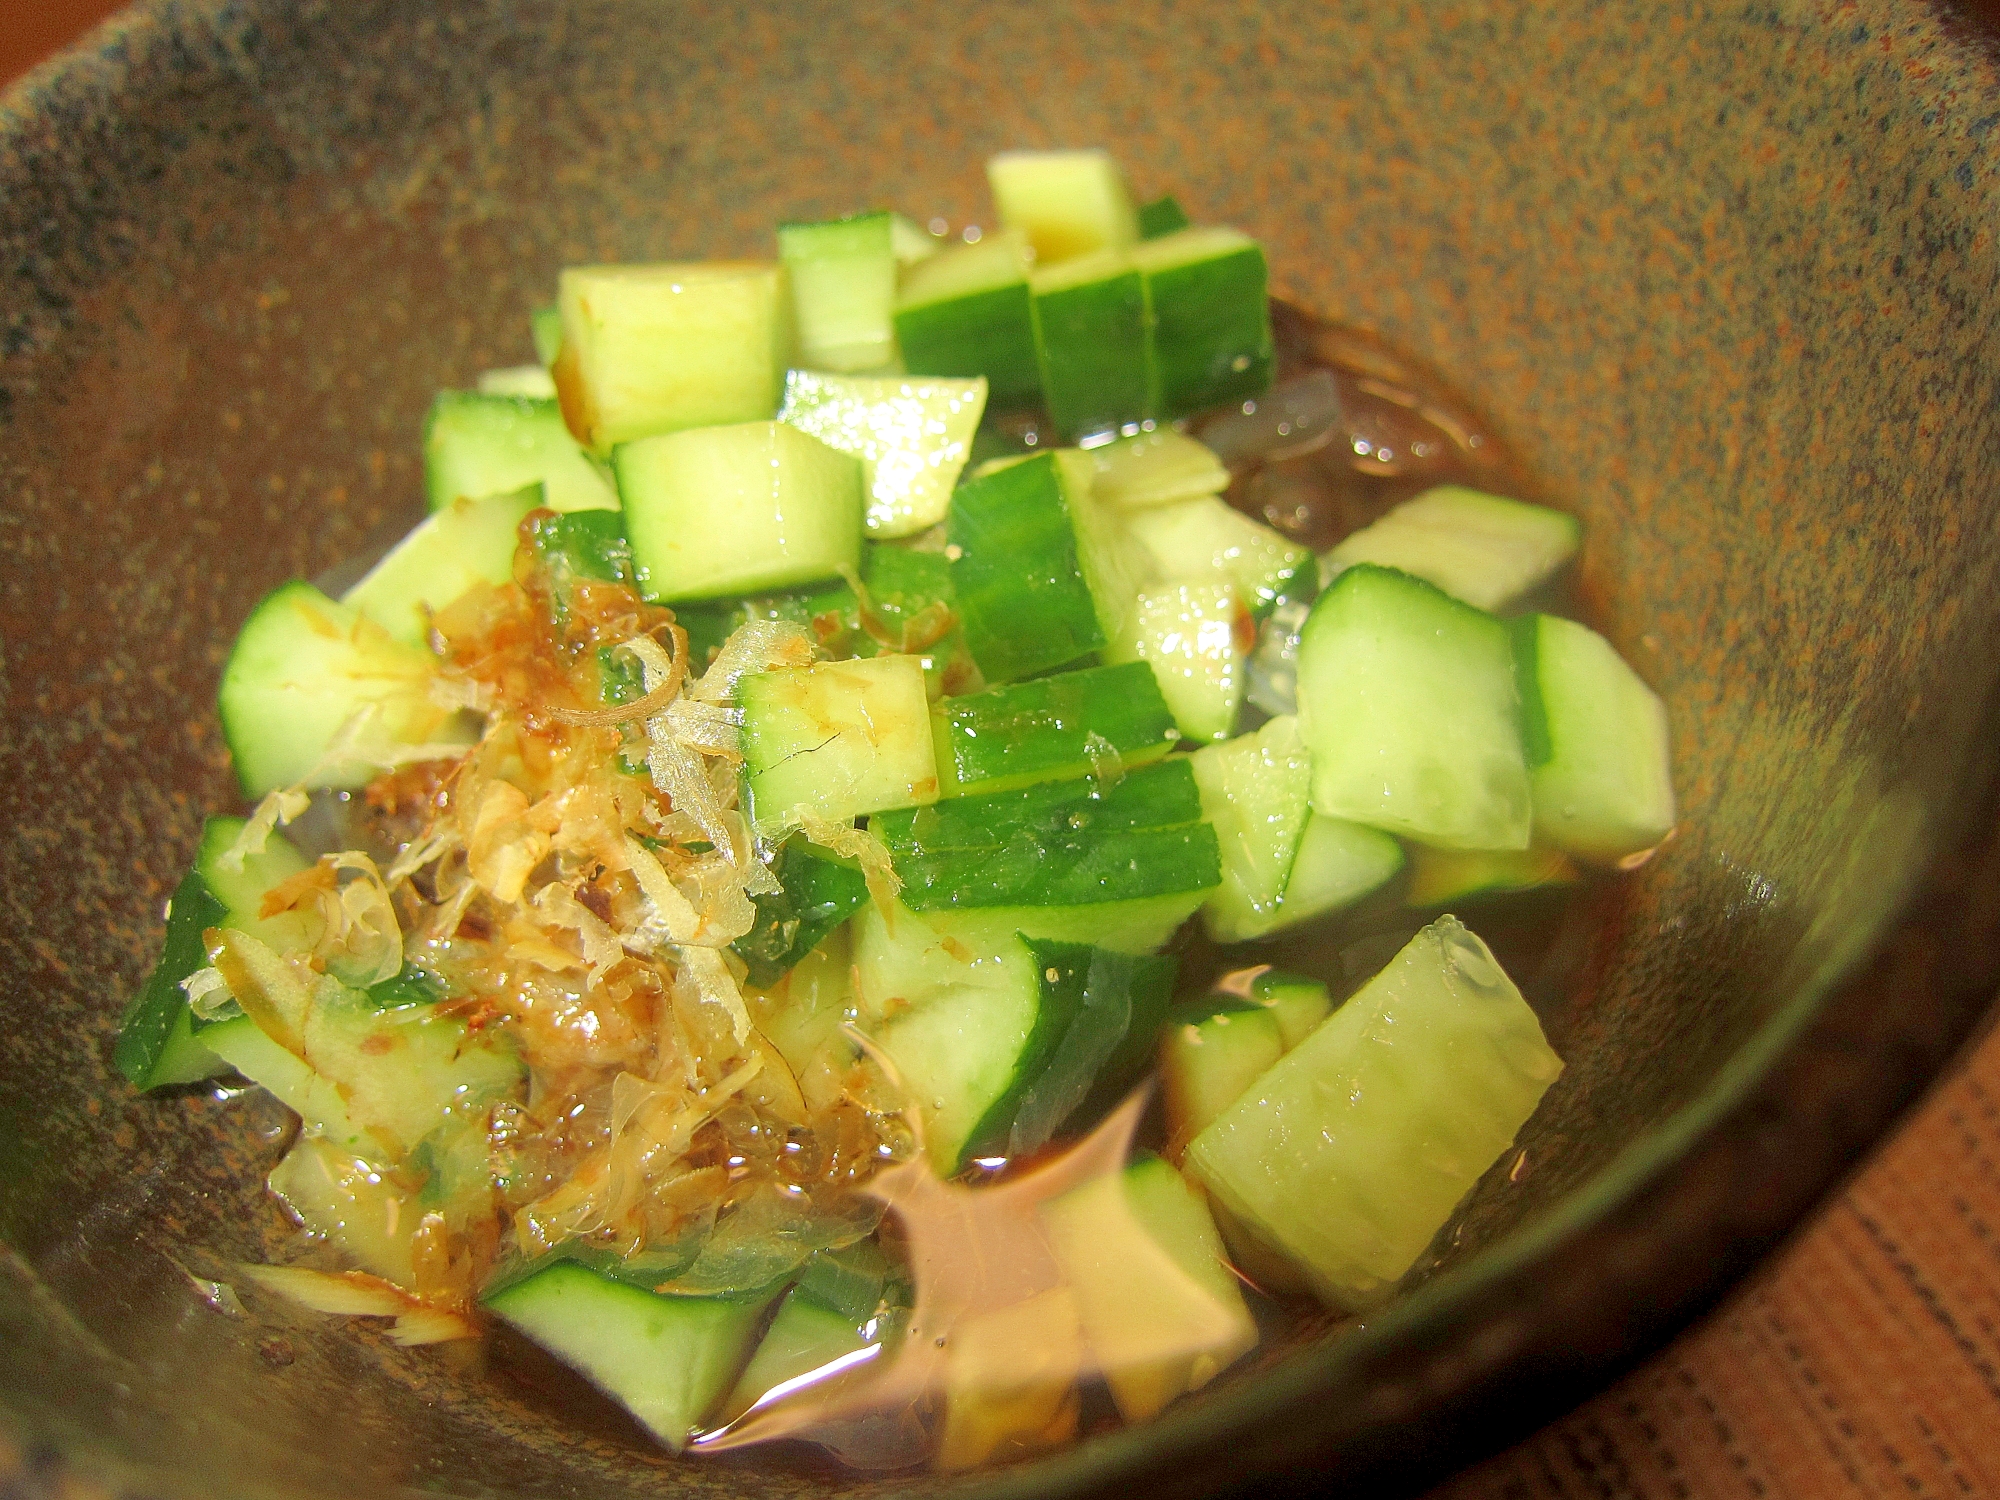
x=766, y=892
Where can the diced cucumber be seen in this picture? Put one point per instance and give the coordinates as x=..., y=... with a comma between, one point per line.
x=843, y=282
x=1441, y=876
x=1161, y=216
x=1296, y=1002
x=1208, y=1061
x=241, y=889
x=805, y=1336
x=667, y=1360
x=290, y=1079
x=352, y=1203
x=1254, y=790
x=1156, y=468
x=1057, y=844
x=819, y=893
x=802, y=1015
x=1142, y=924
x=840, y=738
x=1091, y=332
x=1596, y=739
x=1188, y=634
x=1485, y=549
x=1351, y=1152
x=302, y=668
x=1408, y=705
x=1160, y=1311
x=912, y=435
x=1068, y=203
x=545, y=328
x=911, y=242
x=1205, y=292
x=1039, y=576
x=1338, y=863
x=450, y=550
x=532, y=381
x=657, y=348
x=1050, y=729
x=477, y=445
x=1209, y=540
x=966, y=311
x=156, y=1045
x=716, y=511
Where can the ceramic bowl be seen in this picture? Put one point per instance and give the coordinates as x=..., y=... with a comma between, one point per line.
x=1725, y=276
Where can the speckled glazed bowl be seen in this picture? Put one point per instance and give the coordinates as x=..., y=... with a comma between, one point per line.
x=1727, y=276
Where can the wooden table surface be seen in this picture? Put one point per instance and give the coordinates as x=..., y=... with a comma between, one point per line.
x=1864, y=1360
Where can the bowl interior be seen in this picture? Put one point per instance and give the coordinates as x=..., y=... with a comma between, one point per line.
x=1722, y=276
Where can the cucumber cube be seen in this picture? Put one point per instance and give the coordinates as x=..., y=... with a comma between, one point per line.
x=966, y=311
x=1597, y=743
x=1254, y=790
x=1156, y=468
x=912, y=435
x=1297, y=1003
x=1068, y=203
x=302, y=668
x=818, y=893
x=911, y=242
x=1408, y=705
x=1485, y=549
x=1206, y=294
x=805, y=1336
x=1209, y=540
x=840, y=738
x=1091, y=330
x=715, y=511
x=1188, y=634
x=545, y=327
x=531, y=381
x=1338, y=863
x=843, y=282
x=1207, y=1062
x=477, y=445
x=1161, y=1313
x=657, y=348
x=450, y=550
x=1162, y=216
x=1051, y=728
x=1349, y=1154
x=351, y=1203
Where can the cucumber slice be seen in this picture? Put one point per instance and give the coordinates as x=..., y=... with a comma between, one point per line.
x=156, y=1045
x=1206, y=296
x=241, y=889
x=1189, y=634
x=658, y=348
x=1407, y=703
x=545, y=328
x=1351, y=1152
x=1091, y=330
x=1297, y=1003
x=302, y=668
x=532, y=381
x=1597, y=742
x=1050, y=729
x=315, y=1099
x=1441, y=876
x=843, y=283
x=1208, y=540
x=1161, y=216
x=805, y=1336
x=1484, y=549
x=966, y=311
x=477, y=445
x=1068, y=203
x=818, y=893
x=1254, y=790
x=450, y=550
x=840, y=738
x=352, y=1203
x=667, y=1360
x=1338, y=863
x=1057, y=844
x=732, y=510
x=1156, y=468
x=1161, y=1313
x=912, y=435
x=1207, y=1062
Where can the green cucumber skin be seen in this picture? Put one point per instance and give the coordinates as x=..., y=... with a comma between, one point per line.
x=545, y=327
x=1023, y=603
x=478, y=445
x=1092, y=344
x=155, y=1044
x=819, y=894
x=584, y=544
x=1162, y=216
x=1056, y=844
x=1119, y=1002
x=990, y=333
x=1015, y=735
x=1211, y=326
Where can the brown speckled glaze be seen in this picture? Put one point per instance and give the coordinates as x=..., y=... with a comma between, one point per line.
x=1727, y=276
